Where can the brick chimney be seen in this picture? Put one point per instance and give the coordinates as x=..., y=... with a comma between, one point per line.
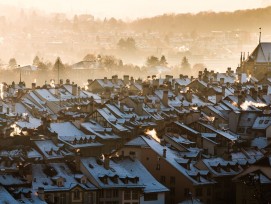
x=68, y=81
x=145, y=88
x=33, y=86
x=223, y=91
x=106, y=162
x=74, y=89
x=189, y=96
x=105, y=80
x=164, y=153
x=200, y=75
x=222, y=81
x=165, y=97
x=77, y=160
x=126, y=79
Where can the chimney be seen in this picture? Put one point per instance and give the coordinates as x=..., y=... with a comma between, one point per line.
x=219, y=97
x=77, y=160
x=265, y=89
x=126, y=79
x=115, y=79
x=106, y=162
x=74, y=89
x=223, y=91
x=105, y=80
x=7, y=110
x=189, y=96
x=90, y=81
x=211, y=80
x=155, y=83
x=200, y=75
x=79, y=92
x=33, y=86
x=164, y=153
x=61, y=82
x=145, y=88
x=1, y=108
x=240, y=100
x=254, y=94
x=132, y=80
x=222, y=80
x=165, y=97
x=67, y=81
x=41, y=193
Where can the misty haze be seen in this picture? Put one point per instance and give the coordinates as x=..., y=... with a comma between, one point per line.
x=135, y=102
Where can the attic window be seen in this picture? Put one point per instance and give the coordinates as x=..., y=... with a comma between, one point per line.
x=59, y=183
x=261, y=122
x=266, y=121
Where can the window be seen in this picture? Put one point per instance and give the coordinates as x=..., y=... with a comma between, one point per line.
x=163, y=179
x=90, y=198
x=115, y=193
x=266, y=121
x=108, y=194
x=127, y=195
x=147, y=158
x=157, y=166
x=241, y=130
x=134, y=195
x=150, y=196
x=101, y=194
x=186, y=192
x=132, y=153
x=76, y=195
x=172, y=180
x=199, y=192
x=248, y=119
x=62, y=198
x=59, y=183
x=261, y=121
x=209, y=192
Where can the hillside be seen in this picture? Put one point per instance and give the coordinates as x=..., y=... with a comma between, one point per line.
x=249, y=20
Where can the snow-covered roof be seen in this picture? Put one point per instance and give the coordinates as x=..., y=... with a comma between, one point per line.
x=115, y=176
x=45, y=174
x=197, y=177
x=262, y=122
x=151, y=185
x=5, y=196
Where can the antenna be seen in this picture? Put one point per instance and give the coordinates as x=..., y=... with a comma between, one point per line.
x=260, y=36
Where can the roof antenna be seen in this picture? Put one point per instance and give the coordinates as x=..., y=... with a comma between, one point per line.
x=260, y=36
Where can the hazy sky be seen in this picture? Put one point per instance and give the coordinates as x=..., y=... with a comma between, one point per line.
x=136, y=8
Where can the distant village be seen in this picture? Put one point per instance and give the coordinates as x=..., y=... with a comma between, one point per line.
x=127, y=140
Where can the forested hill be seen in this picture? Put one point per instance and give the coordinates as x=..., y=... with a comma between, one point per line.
x=249, y=20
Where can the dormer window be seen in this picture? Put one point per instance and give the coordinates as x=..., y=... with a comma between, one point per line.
x=83, y=180
x=59, y=183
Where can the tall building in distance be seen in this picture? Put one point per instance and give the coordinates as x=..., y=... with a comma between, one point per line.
x=258, y=63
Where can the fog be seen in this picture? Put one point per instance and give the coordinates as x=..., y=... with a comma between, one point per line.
x=146, y=46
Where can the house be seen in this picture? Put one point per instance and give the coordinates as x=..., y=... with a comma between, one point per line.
x=254, y=183
x=56, y=183
x=175, y=172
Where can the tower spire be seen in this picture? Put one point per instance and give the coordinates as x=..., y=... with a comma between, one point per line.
x=260, y=35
